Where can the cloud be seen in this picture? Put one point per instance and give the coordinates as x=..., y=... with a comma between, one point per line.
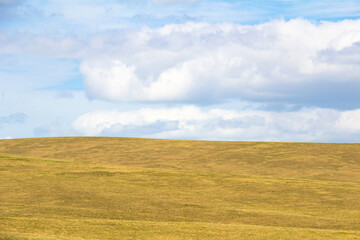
x=10, y=2
x=8, y=8
x=349, y=121
x=47, y=114
x=54, y=129
x=19, y=72
x=174, y=1
x=280, y=61
x=190, y=122
x=65, y=94
x=12, y=119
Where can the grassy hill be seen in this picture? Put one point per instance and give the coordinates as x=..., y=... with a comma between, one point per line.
x=125, y=188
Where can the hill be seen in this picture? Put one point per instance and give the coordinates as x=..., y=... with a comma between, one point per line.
x=126, y=188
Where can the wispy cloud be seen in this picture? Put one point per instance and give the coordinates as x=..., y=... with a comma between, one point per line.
x=20, y=72
x=173, y=1
x=15, y=118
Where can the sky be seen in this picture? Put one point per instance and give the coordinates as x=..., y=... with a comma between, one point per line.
x=268, y=70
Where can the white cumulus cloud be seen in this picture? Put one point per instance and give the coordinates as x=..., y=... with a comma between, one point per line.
x=278, y=61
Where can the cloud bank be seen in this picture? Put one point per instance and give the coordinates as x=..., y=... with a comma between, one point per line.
x=294, y=62
x=191, y=122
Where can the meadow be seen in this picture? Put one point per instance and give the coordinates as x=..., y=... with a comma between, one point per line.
x=128, y=188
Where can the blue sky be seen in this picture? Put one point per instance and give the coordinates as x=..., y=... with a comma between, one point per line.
x=271, y=70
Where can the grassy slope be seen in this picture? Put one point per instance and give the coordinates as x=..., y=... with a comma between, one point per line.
x=106, y=188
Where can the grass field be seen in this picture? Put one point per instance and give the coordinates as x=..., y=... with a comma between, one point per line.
x=124, y=188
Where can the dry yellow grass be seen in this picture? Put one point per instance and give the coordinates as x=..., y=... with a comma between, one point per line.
x=339, y=162
x=123, y=188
